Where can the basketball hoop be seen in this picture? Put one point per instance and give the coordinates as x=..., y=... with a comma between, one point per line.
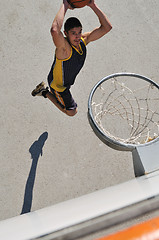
x=123, y=111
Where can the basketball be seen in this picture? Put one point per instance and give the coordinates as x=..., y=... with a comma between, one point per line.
x=78, y=3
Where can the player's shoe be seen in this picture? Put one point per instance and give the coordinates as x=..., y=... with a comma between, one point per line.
x=40, y=90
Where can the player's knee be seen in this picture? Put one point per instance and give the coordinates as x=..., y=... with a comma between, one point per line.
x=71, y=113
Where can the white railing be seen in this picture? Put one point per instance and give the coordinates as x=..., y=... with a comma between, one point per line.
x=88, y=213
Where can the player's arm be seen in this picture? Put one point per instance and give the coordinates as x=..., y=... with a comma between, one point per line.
x=56, y=33
x=105, y=25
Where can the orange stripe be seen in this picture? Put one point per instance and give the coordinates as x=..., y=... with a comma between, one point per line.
x=148, y=230
x=60, y=99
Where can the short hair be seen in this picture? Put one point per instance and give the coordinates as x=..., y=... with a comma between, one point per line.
x=71, y=23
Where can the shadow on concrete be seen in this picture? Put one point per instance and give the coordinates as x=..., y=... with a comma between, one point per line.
x=35, y=151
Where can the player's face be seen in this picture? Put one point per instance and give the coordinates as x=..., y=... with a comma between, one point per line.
x=74, y=36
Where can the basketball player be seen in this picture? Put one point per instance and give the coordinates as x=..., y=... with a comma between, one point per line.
x=70, y=56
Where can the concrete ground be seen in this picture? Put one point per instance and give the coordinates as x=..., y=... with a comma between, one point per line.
x=47, y=157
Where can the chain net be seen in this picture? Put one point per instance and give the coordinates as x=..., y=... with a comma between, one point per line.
x=126, y=109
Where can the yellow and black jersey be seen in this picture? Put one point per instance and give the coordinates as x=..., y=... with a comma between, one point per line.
x=64, y=72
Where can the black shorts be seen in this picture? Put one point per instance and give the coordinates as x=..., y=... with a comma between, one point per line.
x=65, y=99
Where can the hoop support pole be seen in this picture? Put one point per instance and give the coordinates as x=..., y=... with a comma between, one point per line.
x=146, y=158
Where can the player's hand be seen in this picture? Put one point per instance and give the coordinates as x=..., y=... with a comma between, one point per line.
x=91, y=3
x=67, y=5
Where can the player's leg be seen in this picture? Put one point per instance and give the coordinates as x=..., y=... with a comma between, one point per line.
x=51, y=97
x=63, y=101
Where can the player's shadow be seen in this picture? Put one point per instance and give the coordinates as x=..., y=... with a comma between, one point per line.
x=35, y=151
